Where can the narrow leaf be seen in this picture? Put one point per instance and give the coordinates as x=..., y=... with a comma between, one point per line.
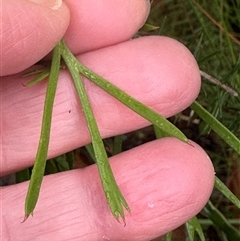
x=22, y=175
x=226, y=192
x=168, y=236
x=211, y=212
x=159, y=133
x=149, y=114
x=41, y=76
x=117, y=145
x=217, y=126
x=194, y=226
x=90, y=151
x=40, y=161
x=190, y=230
x=114, y=196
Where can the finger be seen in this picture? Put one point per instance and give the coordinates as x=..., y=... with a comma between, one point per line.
x=165, y=182
x=36, y=29
x=29, y=31
x=97, y=24
x=158, y=71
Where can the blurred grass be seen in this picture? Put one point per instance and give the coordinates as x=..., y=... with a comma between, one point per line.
x=215, y=52
x=211, y=30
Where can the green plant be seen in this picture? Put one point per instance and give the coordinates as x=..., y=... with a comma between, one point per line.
x=114, y=197
x=209, y=35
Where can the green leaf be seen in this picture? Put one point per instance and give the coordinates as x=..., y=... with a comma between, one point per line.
x=41, y=157
x=149, y=114
x=113, y=194
x=90, y=151
x=217, y=126
x=159, y=133
x=70, y=159
x=23, y=175
x=41, y=75
x=168, y=236
x=192, y=227
x=149, y=27
x=114, y=197
x=226, y=192
x=117, y=145
x=64, y=162
x=211, y=212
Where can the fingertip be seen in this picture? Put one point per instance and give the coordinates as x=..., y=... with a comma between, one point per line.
x=166, y=183
x=101, y=23
x=29, y=32
x=178, y=72
x=163, y=73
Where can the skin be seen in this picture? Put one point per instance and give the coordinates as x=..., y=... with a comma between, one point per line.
x=165, y=182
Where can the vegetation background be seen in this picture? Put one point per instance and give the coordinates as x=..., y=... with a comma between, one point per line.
x=211, y=30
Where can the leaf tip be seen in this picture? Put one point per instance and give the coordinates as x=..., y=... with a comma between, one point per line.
x=190, y=143
x=26, y=216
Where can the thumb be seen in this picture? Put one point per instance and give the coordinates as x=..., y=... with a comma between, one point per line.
x=30, y=29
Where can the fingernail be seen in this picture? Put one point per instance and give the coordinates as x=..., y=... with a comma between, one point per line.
x=53, y=4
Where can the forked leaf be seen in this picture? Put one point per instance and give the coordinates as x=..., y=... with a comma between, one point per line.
x=41, y=157
x=115, y=199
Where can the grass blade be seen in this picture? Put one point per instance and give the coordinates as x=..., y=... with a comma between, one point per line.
x=211, y=212
x=168, y=236
x=41, y=157
x=117, y=145
x=194, y=226
x=23, y=175
x=217, y=126
x=226, y=192
x=41, y=75
x=90, y=151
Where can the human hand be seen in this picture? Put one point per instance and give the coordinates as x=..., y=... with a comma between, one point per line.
x=165, y=182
